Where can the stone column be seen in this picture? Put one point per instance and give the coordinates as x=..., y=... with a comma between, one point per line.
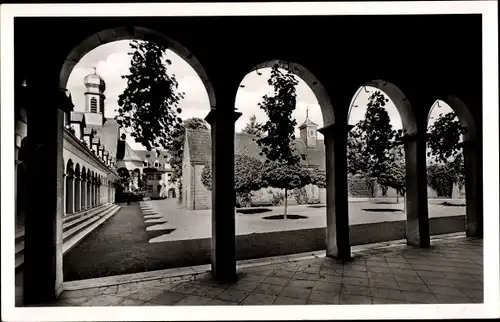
x=84, y=194
x=42, y=271
x=70, y=194
x=223, y=195
x=417, y=215
x=77, y=194
x=473, y=205
x=89, y=193
x=337, y=204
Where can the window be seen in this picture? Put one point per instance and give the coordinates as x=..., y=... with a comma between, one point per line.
x=150, y=177
x=169, y=175
x=157, y=164
x=146, y=163
x=158, y=176
x=93, y=105
x=150, y=188
x=158, y=188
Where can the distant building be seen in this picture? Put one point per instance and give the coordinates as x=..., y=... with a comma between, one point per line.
x=198, y=152
x=158, y=174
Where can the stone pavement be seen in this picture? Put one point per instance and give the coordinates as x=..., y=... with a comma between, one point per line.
x=451, y=271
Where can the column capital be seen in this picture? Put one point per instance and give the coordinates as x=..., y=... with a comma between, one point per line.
x=335, y=129
x=216, y=115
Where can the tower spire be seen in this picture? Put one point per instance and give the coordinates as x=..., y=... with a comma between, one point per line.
x=307, y=112
x=95, y=70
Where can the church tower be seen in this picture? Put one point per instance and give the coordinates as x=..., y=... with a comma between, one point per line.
x=308, y=131
x=94, y=99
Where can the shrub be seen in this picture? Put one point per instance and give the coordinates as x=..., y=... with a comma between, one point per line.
x=300, y=195
x=276, y=198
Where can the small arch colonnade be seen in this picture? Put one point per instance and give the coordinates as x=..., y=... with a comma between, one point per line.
x=333, y=75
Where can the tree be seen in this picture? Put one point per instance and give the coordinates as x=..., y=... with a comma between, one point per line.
x=443, y=140
x=253, y=127
x=282, y=175
x=176, y=148
x=394, y=175
x=248, y=177
x=149, y=104
x=318, y=177
x=283, y=169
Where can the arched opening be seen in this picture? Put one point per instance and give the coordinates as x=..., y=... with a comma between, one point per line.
x=97, y=50
x=171, y=193
x=69, y=187
x=77, y=188
x=452, y=163
x=380, y=121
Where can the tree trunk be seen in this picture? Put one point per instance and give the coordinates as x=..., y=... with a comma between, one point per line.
x=404, y=201
x=397, y=196
x=286, y=202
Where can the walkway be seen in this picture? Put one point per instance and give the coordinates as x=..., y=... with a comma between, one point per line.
x=449, y=272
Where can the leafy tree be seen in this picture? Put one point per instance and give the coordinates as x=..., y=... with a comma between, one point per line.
x=443, y=140
x=280, y=127
x=394, y=175
x=248, y=177
x=282, y=175
x=253, y=127
x=318, y=177
x=283, y=165
x=149, y=104
x=440, y=179
x=176, y=148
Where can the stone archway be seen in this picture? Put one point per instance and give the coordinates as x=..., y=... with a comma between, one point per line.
x=83, y=189
x=314, y=84
x=77, y=188
x=472, y=172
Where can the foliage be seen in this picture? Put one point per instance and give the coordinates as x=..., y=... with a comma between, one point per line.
x=439, y=179
x=371, y=140
x=149, y=104
x=318, y=177
x=280, y=127
x=443, y=140
x=395, y=172
x=248, y=177
x=176, y=148
x=253, y=127
x=300, y=195
x=276, y=198
x=361, y=186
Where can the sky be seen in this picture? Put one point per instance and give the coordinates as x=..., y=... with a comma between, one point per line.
x=112, y=61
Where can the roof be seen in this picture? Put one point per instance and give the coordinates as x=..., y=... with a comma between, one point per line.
x=126, y=153
x=78, y=117
x=200, y=147
x=307, y=122
x=109, y=134
x=155, y=155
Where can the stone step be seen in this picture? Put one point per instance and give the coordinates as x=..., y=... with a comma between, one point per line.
x=88, y=214
x=76, y=216
x=69, y=232
x=73, y=231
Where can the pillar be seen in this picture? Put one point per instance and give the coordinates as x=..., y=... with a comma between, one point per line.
x=89, y=193
x=473, y=206
x=83, y=189
x=77, y=194
x=70, y=193
x=43, y=243
x=417, y=214
x=337, y=204
x=223, y=255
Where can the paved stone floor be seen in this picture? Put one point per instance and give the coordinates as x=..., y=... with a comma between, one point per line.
x=451, y=271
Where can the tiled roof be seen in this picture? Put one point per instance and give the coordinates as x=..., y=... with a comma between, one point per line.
x=78, y=117
x=108, y=134
x=155, y=155
x=200, y=147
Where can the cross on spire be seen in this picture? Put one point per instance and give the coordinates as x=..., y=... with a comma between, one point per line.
x=95, y=70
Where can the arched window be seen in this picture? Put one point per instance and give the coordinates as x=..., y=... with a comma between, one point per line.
x=146, y=163
x=157, y=164
x=93, y=105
